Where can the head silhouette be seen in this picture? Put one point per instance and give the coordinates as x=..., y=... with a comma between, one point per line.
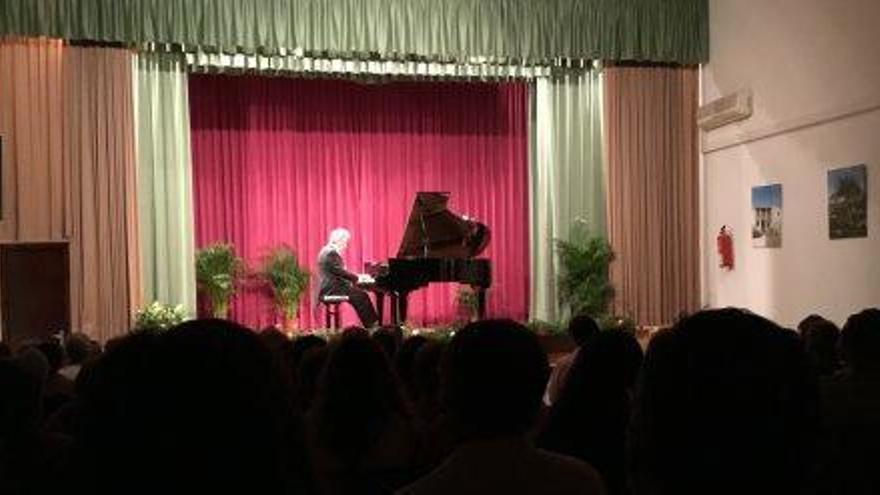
x=590, y=418
x=494, y=379
x=404, y=362
x=860, y=341
x=358, y=395
x=725, y=405
x=206, y=397
x=582, y=328
x=819, y=338
x=389, y=339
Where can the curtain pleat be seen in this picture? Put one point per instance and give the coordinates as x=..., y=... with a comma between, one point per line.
x=68, y=154
x=101, y=213
x=31, y=90
x=165, y=180
x=653, y=190
x=439, y=30
x=286, y=160
x=567, y=180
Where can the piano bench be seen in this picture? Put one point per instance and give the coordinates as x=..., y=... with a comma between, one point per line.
x=332, y=316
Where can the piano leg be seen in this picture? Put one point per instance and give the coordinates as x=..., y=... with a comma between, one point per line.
x=380, y=307
x=395, y=310
x=481, y=302
x=400, y=308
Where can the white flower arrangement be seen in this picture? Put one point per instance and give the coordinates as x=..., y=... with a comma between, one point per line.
x=159, y=316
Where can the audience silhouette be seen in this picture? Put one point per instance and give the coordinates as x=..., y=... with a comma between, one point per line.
x=360, y=430
x=581, y=328
x=820, y=341
x=724, y=401
x=494, y=379
x=590, y=417
x=851, y=412
x=725, y=405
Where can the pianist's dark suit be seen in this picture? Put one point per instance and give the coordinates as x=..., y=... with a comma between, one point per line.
x=337, y=281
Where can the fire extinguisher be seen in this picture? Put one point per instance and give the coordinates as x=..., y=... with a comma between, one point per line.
x=725, y=248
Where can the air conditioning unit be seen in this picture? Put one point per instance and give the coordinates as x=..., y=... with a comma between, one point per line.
x=724, y=110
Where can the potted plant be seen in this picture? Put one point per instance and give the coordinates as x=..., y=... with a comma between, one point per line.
x=584, y=283
x=288, y=281
x=159, y=316
x=466, y=299
x=217, y=270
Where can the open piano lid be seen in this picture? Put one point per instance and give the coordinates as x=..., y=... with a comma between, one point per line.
x=433, y=231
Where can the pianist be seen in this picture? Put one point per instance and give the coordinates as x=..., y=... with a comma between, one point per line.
x=337, y=281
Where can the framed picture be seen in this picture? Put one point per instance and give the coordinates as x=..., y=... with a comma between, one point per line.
x=767, y=208
x=848, y=202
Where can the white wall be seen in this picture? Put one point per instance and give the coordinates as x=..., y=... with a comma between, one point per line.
x=814, y=69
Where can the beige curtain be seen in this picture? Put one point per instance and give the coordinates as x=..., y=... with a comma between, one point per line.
x=102, y=197
x=30, y=108
x=653, y=190
x=67, y=121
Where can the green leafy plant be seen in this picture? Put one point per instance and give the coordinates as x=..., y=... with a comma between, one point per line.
x=466, y=298
x=584, y=284
x=287, y=278
x=621, y=323
x=217, y=271
x=159, y=316
x=547, y=328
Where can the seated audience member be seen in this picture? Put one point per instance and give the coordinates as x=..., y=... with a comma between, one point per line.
x=819, y=338
x=59, y=389
x=360, y=430
x=495, y=376
x=389, y=339
x=428, y=403
x=28, y=457
x=582, y=329
x=295, y=353
x=79, y=349
x=309, y=371
x=405, y=361
x=589, y=419
x=851, y=411
x=200, y=408
x=725, y=405
x=275, y=340
x=278, y=344
x=302, y=345
x=426, y=371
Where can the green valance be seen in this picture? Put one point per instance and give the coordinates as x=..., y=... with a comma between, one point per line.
x=513, y=31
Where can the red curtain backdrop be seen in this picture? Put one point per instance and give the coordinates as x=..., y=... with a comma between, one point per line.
x=279, y=160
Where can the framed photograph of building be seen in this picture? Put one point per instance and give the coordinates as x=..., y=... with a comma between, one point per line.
x=848, y=202
x=767, y=207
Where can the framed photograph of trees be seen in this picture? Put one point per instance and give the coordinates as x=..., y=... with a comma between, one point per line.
x=848, y=202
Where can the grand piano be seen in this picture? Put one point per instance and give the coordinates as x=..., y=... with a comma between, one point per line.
x=437, y=246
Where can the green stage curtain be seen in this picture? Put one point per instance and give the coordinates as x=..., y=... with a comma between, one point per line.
x=567, y=179
x=165, y=180
x=530, y=31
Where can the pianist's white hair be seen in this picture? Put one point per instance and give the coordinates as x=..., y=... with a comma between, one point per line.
x=338, y=236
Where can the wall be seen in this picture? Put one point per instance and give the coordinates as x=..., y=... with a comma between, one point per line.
x=814, y=69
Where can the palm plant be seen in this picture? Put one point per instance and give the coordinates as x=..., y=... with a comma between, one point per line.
x=217, y=270
x=287, y=279
x=584, y=284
